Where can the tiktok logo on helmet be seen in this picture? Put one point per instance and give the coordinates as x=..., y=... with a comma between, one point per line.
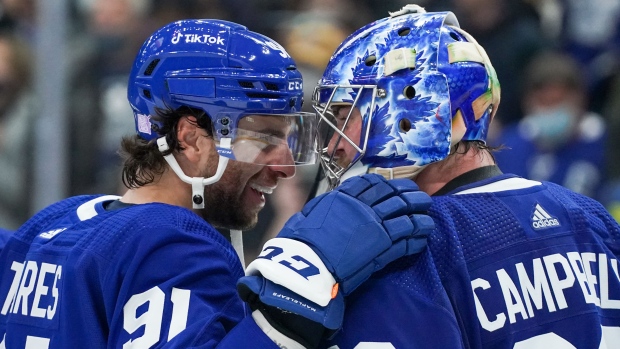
x=177, y=36
x=197, y=38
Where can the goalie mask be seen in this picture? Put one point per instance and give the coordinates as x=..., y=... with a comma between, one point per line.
x=415, y=83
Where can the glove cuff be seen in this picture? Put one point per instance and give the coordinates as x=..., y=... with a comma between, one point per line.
x=256, y=290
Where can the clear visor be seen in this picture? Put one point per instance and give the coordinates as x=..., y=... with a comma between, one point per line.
x=342, y=139
x=274, y=140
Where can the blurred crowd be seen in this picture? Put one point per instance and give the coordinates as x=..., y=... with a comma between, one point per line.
x=557, y=61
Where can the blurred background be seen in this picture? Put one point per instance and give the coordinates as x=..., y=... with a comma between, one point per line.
x=64, y=66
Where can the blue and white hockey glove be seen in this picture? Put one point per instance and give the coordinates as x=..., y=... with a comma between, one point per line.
x=334, y=244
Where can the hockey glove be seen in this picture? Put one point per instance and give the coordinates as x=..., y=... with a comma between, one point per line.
x=334, y=244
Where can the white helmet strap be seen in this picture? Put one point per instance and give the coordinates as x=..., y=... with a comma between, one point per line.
x=198, y=183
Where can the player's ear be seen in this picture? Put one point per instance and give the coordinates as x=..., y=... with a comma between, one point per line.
x=193, y=139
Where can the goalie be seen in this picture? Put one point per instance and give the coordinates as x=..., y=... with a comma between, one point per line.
x=512, y=263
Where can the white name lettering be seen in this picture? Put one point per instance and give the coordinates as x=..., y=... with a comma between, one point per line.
x=544, y=287
x=32, y=288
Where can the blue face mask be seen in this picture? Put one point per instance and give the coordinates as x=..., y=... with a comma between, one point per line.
x=552, y=127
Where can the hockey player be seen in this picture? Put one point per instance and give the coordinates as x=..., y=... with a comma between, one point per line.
x=216, y=112
x=512, y=263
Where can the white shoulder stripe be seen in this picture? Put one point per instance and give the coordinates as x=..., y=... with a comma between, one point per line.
x=87, y=210
x=503, y=185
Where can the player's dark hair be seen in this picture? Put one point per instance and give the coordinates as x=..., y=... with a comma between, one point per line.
x=142, y=160
x=463, y=147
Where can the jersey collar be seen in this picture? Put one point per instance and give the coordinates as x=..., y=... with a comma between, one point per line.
x=469, y=177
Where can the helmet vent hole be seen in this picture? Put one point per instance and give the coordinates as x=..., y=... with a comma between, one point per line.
x=246, y=84
x=409, y=92
x=454, y=36
x=405, y=125
x=151, y=67
x=147, y=94
x=371, y=60
x=404, y=31
x=271, y=86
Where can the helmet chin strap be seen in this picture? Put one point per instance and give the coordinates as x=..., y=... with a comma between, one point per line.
x=199, y=183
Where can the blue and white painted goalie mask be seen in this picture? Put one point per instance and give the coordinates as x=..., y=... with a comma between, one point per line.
x=415, y=83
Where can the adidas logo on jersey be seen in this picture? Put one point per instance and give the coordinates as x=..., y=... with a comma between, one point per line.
x=542, y=219
x=50, y=234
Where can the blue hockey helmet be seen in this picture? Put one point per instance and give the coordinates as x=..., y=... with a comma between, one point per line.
x=245, y=82
x=421, y=85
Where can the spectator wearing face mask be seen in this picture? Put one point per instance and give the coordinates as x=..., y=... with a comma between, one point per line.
x=558, y=139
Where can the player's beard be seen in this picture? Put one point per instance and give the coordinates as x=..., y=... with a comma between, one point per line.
x=224, y=201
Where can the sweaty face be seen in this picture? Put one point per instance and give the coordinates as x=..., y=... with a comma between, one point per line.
x=235, y=200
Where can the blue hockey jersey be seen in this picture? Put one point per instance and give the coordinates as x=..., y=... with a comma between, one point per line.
x=143, y=276
x=512, y=263
x=5, y=235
